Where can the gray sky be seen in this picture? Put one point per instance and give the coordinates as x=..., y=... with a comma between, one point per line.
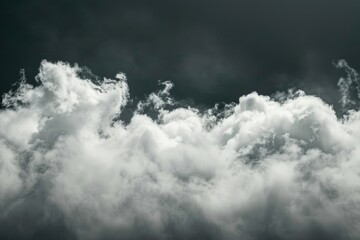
x=212, y=50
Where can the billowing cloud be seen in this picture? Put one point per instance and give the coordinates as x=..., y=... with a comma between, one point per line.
x=283, y=167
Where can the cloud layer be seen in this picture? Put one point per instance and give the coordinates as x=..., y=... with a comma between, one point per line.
x=282, y=167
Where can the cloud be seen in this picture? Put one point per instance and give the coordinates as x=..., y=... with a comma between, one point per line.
x=263, y=168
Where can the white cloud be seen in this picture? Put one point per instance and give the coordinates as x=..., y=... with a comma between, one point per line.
x=267, y=169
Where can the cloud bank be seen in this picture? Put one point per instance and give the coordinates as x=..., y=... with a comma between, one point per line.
x=281, y=167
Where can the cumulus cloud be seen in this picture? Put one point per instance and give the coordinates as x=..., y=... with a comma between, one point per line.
x=263, y=168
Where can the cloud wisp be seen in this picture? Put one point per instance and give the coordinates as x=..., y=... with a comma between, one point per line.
x=284, y=167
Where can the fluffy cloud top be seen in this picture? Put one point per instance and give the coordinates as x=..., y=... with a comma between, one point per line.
x=264, y=168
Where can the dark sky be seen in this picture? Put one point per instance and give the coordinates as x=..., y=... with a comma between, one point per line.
x=212, y=50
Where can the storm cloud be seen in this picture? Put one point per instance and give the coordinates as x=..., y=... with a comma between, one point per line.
x=280, y=167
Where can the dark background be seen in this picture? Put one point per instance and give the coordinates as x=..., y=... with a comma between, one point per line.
x=212, y=50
